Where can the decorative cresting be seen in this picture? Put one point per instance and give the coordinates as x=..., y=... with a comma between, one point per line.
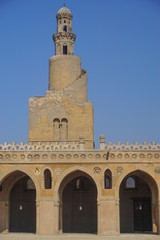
x=127, y=146
x=64, y=38
x=44, y=147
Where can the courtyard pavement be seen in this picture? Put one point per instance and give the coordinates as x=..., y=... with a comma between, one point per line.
x=28, y=236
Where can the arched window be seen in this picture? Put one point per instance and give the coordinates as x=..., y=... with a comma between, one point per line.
x=64, y=28
x=56, y=129
x=64, y=49
x=107, y=179
x=47, y=179
x=130, y=182
x=64, y=129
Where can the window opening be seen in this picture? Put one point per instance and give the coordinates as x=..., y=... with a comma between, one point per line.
x=56, y=129
x=47, y=179
x=107, y=183
x=64, y=129
x=108, y=179
x=30, y=185
x=130, y=183
x=64, y=28
x=64, y=49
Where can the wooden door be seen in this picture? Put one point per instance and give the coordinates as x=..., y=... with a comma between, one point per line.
x=142, y=215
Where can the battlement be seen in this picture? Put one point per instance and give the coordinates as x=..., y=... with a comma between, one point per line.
x=41, y=146
x=127, y=146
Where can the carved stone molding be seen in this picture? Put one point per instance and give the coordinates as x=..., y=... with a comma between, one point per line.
x=117, y=202
x=37, y=171
x=134, y=156
x=119, y=170
x=157, y=170
x=22, y=156
x=58, y=171
x=78, y=156
x=127, y=156
x=112, y=156
x=120, y=155
x=156, y=155
x=57, y=203
x=97, y=170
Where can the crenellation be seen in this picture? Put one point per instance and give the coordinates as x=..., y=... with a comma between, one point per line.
x=135, y=146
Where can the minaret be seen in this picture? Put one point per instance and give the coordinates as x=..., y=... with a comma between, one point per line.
x=64, y=113
x=64, y=67
x=64, y=38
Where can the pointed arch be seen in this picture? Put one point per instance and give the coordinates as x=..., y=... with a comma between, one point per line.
x=62, y=182
x=72, y=170
x=145, y=170
x=138, y=194
x=27, y=172
x=16, y=191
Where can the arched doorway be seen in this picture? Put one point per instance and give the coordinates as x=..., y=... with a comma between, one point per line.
x=79, y=204
x=18, y=202
x=138, y=199
x=22, y=206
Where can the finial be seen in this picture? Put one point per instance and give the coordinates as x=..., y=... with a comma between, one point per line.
x=64, y=5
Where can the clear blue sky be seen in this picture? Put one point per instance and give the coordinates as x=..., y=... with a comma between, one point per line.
x=119, y=44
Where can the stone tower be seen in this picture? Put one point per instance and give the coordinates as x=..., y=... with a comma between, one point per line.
x=64, y=38
x=64, y=113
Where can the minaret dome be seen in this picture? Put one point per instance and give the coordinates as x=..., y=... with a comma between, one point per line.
x=64, y=20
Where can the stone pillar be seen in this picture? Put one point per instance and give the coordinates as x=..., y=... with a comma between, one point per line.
x=158, y=215
x=37, y=217
x=43, y=184
x=154, y=222
x=98, y=217
x=4, y=216
x=60, y=218
x=7, y=216
x=57, y=228
x=117, y=206
x=47, y=216
x=108, y=217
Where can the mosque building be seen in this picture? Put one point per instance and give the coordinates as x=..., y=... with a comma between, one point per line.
x=58, y=182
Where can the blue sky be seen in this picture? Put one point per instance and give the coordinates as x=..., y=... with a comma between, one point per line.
x=119, y=45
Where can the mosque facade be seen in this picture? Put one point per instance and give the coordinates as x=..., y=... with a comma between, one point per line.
x=58, y=182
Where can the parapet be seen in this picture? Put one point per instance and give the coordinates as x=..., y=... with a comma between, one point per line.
x=127, y=146
x=47, y=146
